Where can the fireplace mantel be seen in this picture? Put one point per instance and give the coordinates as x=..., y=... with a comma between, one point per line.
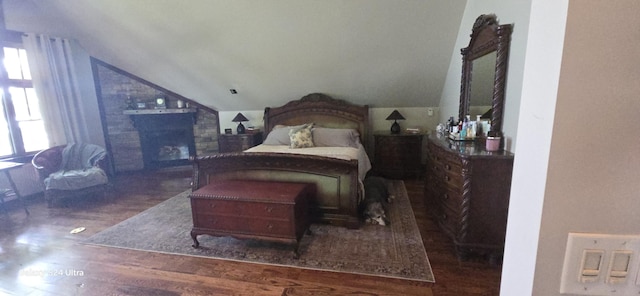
x=160, y=116
x=158, y=111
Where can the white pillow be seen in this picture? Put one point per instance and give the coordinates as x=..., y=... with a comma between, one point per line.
x=335, y=137
x=279, y=135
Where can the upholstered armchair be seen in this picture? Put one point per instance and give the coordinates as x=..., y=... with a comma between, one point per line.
x=72, y=170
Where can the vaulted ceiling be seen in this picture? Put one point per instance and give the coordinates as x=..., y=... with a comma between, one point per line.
x=378, y=52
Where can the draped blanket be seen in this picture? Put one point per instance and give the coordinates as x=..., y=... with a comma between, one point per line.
x=79, y=168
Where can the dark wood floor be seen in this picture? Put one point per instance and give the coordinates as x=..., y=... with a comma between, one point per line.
x=38, y=255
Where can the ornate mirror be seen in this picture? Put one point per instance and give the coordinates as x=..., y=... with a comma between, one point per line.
x=484, y=70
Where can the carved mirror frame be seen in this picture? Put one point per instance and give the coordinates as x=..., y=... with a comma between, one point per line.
x=487, y=36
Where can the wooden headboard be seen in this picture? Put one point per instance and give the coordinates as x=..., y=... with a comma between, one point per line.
x=322, y=110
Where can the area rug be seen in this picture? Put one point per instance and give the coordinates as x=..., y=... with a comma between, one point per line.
x=394, y=251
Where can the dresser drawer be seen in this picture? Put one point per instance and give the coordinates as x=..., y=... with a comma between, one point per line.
x=444, y=158
x=244, y=209
x=450, y=177
x=267, y=210
x=221, y=222
x=239, y=224
x=452, y=180
x=448, y=220
x=214, y=206
x=267, y=227
x=451, y=199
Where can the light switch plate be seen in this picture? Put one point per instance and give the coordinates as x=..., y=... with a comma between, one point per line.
x=580, y=245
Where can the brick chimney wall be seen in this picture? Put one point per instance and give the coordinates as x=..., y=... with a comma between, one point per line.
x=116, y=89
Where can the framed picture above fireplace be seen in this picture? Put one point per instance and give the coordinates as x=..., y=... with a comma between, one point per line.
x=161, y=103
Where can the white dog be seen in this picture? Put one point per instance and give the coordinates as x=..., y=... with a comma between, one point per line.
x=376, y=196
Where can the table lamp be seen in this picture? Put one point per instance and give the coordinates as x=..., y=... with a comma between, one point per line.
x=239, y=119
x=395, y=116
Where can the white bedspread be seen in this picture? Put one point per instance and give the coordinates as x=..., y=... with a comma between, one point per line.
x=346, y=153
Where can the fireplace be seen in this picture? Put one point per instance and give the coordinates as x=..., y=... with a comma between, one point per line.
x=166, y=139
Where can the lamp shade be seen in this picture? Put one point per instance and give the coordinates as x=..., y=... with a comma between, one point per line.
x=395, y=115
x=239, y=118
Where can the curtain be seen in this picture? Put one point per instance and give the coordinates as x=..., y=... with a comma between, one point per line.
x=55, y=82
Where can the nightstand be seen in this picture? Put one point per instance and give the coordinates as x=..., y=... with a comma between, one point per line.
x=398, y=156
x=238, y=143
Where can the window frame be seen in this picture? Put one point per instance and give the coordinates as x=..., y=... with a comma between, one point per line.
x=12, y=39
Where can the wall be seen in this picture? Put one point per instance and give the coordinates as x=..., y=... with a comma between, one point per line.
x=379, y=52
x=416, y=117
x=594, y=155
x=536, y=117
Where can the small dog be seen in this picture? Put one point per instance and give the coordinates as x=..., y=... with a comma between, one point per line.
x=376, y=196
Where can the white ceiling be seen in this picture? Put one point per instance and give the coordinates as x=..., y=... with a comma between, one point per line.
x=378, y=52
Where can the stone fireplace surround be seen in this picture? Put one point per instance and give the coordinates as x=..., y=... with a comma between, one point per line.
x=114, y=87
x=166, y=136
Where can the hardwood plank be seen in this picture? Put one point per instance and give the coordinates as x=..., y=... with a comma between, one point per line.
x=42, y=243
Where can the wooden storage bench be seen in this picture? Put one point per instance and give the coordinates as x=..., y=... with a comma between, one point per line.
x=265, y=210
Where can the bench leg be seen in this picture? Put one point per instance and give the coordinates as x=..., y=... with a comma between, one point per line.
x=296, y=253
x=4, y=209
x=25, y=208
x=196, y=243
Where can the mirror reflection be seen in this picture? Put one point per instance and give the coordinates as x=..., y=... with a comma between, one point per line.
x=481, y=84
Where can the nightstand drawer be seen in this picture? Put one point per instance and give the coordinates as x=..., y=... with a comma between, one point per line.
x=238, y=143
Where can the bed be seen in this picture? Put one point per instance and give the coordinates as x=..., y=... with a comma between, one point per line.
x=337, y=177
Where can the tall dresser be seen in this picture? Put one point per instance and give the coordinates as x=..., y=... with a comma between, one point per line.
x=467, y=189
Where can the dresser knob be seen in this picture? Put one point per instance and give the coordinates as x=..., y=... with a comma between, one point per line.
x=212, y=205
x=445, y=196
x=447, y=178
x=268, y=209
x=270, y=226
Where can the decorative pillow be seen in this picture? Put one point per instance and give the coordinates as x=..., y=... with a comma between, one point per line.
x=279, y=135
x=335, y=137
x=301, y=137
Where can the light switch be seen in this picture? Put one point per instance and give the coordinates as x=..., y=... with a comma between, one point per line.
x=591, y=265
x=619, y=266
x=601, y=264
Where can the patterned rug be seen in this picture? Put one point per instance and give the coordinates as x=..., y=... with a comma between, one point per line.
x=394, y=251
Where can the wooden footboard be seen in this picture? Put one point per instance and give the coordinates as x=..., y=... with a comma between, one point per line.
x=336, y=180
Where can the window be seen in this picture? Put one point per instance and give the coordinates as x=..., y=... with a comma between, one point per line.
x=21, y=127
